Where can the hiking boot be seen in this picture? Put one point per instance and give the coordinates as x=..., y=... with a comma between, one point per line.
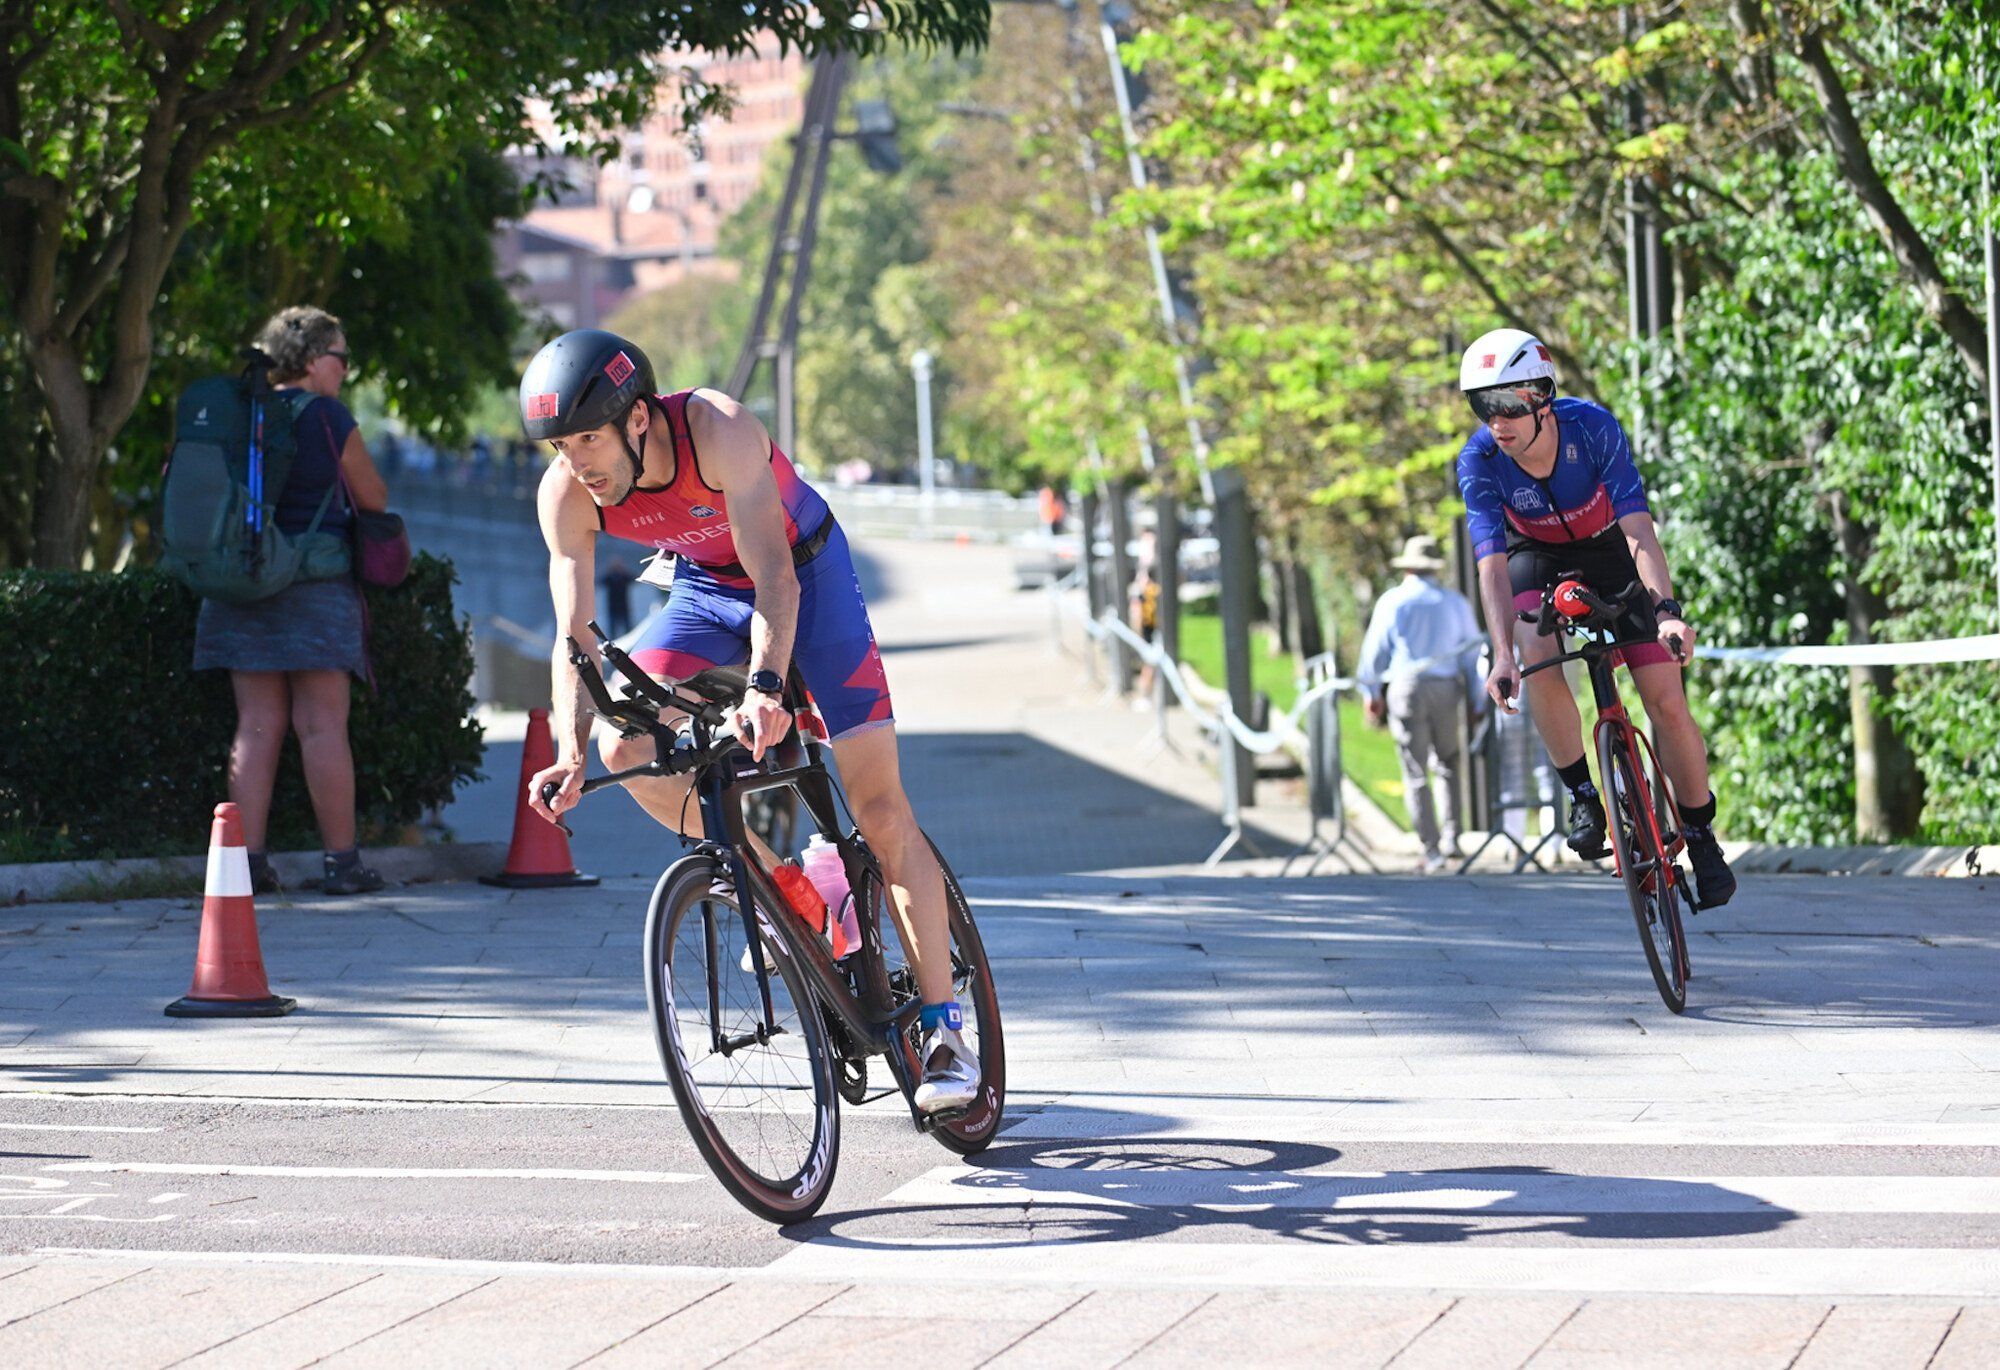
x=1714, y=882
x=1586, y=827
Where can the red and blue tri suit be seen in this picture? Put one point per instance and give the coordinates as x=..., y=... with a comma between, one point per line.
x=1566, y=522
x=706, y=619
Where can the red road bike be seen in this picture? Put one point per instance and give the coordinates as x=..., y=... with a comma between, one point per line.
x=1639, y=799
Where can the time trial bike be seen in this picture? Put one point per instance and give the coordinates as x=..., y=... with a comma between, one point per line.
x=761, y=1031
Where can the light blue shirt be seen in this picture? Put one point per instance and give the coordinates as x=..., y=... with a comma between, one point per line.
x=1414, y=620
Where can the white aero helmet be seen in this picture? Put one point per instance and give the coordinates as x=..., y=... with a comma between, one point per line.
x=1507, y=372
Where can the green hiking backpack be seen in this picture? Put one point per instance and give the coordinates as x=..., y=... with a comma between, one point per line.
x=234, y=442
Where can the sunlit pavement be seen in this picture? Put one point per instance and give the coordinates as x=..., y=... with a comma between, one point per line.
x=1343, y=1120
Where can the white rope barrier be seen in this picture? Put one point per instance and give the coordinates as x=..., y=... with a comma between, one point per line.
x=1984, y=648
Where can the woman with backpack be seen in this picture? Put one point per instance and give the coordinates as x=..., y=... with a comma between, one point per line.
x=290, y=655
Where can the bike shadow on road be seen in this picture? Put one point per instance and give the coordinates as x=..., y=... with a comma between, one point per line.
x=1225, y=1189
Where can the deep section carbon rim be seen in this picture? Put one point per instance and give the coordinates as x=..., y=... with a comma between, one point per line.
x=1642, y=868
x=760, y=1101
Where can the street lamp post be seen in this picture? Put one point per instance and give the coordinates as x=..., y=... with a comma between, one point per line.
x=920, y=367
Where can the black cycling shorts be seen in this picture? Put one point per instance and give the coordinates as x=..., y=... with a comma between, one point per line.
x=1603, y=563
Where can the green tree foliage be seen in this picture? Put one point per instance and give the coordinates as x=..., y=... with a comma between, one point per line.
x=1355, y=190
x=690, y=329
x=865, y=311
x=126, y=125
x=1064, y=373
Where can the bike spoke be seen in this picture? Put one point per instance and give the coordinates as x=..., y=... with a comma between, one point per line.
x=758, y=1096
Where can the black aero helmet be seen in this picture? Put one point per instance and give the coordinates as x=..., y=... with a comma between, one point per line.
x=585, y=379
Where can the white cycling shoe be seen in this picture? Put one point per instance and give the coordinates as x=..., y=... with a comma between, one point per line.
x=951, y=1072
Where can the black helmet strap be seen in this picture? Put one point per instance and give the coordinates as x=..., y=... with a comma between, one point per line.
x=636, y=457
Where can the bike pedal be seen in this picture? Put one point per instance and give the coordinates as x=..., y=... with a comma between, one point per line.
x=931, y=1122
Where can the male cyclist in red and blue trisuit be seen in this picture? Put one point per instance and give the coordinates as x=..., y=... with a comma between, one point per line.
x=762, y=577
x=1550, y=487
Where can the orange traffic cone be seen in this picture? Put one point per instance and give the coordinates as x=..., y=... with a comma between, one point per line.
x=228, y=963
x=538, y=857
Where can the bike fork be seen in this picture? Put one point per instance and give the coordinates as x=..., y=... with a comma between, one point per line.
x=735, y=871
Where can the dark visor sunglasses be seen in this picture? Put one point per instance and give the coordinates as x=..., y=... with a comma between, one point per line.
x=1508, y=401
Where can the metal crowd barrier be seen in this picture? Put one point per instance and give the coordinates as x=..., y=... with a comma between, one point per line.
x=1318, y=742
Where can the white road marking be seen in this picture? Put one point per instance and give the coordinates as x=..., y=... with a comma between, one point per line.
x=369, y=1172
x=718, y=1273
x=666, y=1104
x=70, y=1127
x=1088, y=1117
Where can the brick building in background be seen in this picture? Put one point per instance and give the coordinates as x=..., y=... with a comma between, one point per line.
x=653, y=212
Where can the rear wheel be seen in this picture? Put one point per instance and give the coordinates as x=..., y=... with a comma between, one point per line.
x=1654, y=888
x=757, y=1094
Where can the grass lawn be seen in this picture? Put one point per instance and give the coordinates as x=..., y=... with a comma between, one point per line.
x=1368, y=754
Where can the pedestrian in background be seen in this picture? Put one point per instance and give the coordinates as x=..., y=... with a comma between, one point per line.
x=1416, y=678
x=1144, y=608
x=290, y=656
x=1054, y=510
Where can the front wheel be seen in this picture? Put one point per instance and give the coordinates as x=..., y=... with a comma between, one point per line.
x=1653, y=886
x=757, y=1091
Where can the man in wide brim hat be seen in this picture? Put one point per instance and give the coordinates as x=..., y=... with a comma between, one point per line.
x=1421, y=555
x=1417, y=674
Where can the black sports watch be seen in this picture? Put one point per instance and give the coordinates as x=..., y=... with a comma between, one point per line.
x=767, y=682
x=1668, y=608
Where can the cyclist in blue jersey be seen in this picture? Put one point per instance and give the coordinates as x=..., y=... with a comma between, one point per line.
x=1550, y=487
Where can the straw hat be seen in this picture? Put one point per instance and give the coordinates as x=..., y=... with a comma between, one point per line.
x=1420, y=553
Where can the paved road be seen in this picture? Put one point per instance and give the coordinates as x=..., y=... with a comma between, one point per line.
x=1456, y=1104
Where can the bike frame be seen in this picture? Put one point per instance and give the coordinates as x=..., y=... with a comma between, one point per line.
x=724, y=777
x=1612, y=718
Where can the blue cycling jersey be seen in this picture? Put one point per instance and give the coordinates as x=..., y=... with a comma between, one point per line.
x=1594, y=484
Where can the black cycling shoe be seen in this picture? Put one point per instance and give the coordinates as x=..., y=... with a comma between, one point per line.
x=1586, y=828
x=351, y=879
x=1714, y=882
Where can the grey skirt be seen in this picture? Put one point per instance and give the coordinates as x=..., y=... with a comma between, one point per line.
x=313, y=625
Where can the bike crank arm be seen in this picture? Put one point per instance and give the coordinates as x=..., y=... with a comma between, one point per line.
x=893, y=1044
x=761, y=1035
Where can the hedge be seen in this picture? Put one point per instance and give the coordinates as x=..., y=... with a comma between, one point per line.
x=112, y=746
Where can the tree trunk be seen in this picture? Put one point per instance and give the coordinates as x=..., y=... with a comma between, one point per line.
x=1278, y=570
x=72, y=460
x=1888, y=787
x=1912, y=251
x=1308, y=640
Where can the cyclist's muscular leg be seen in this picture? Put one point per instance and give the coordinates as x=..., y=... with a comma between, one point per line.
x=1549, y=699
x=1683, y=754
x=665, y=797
x=870, y=770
